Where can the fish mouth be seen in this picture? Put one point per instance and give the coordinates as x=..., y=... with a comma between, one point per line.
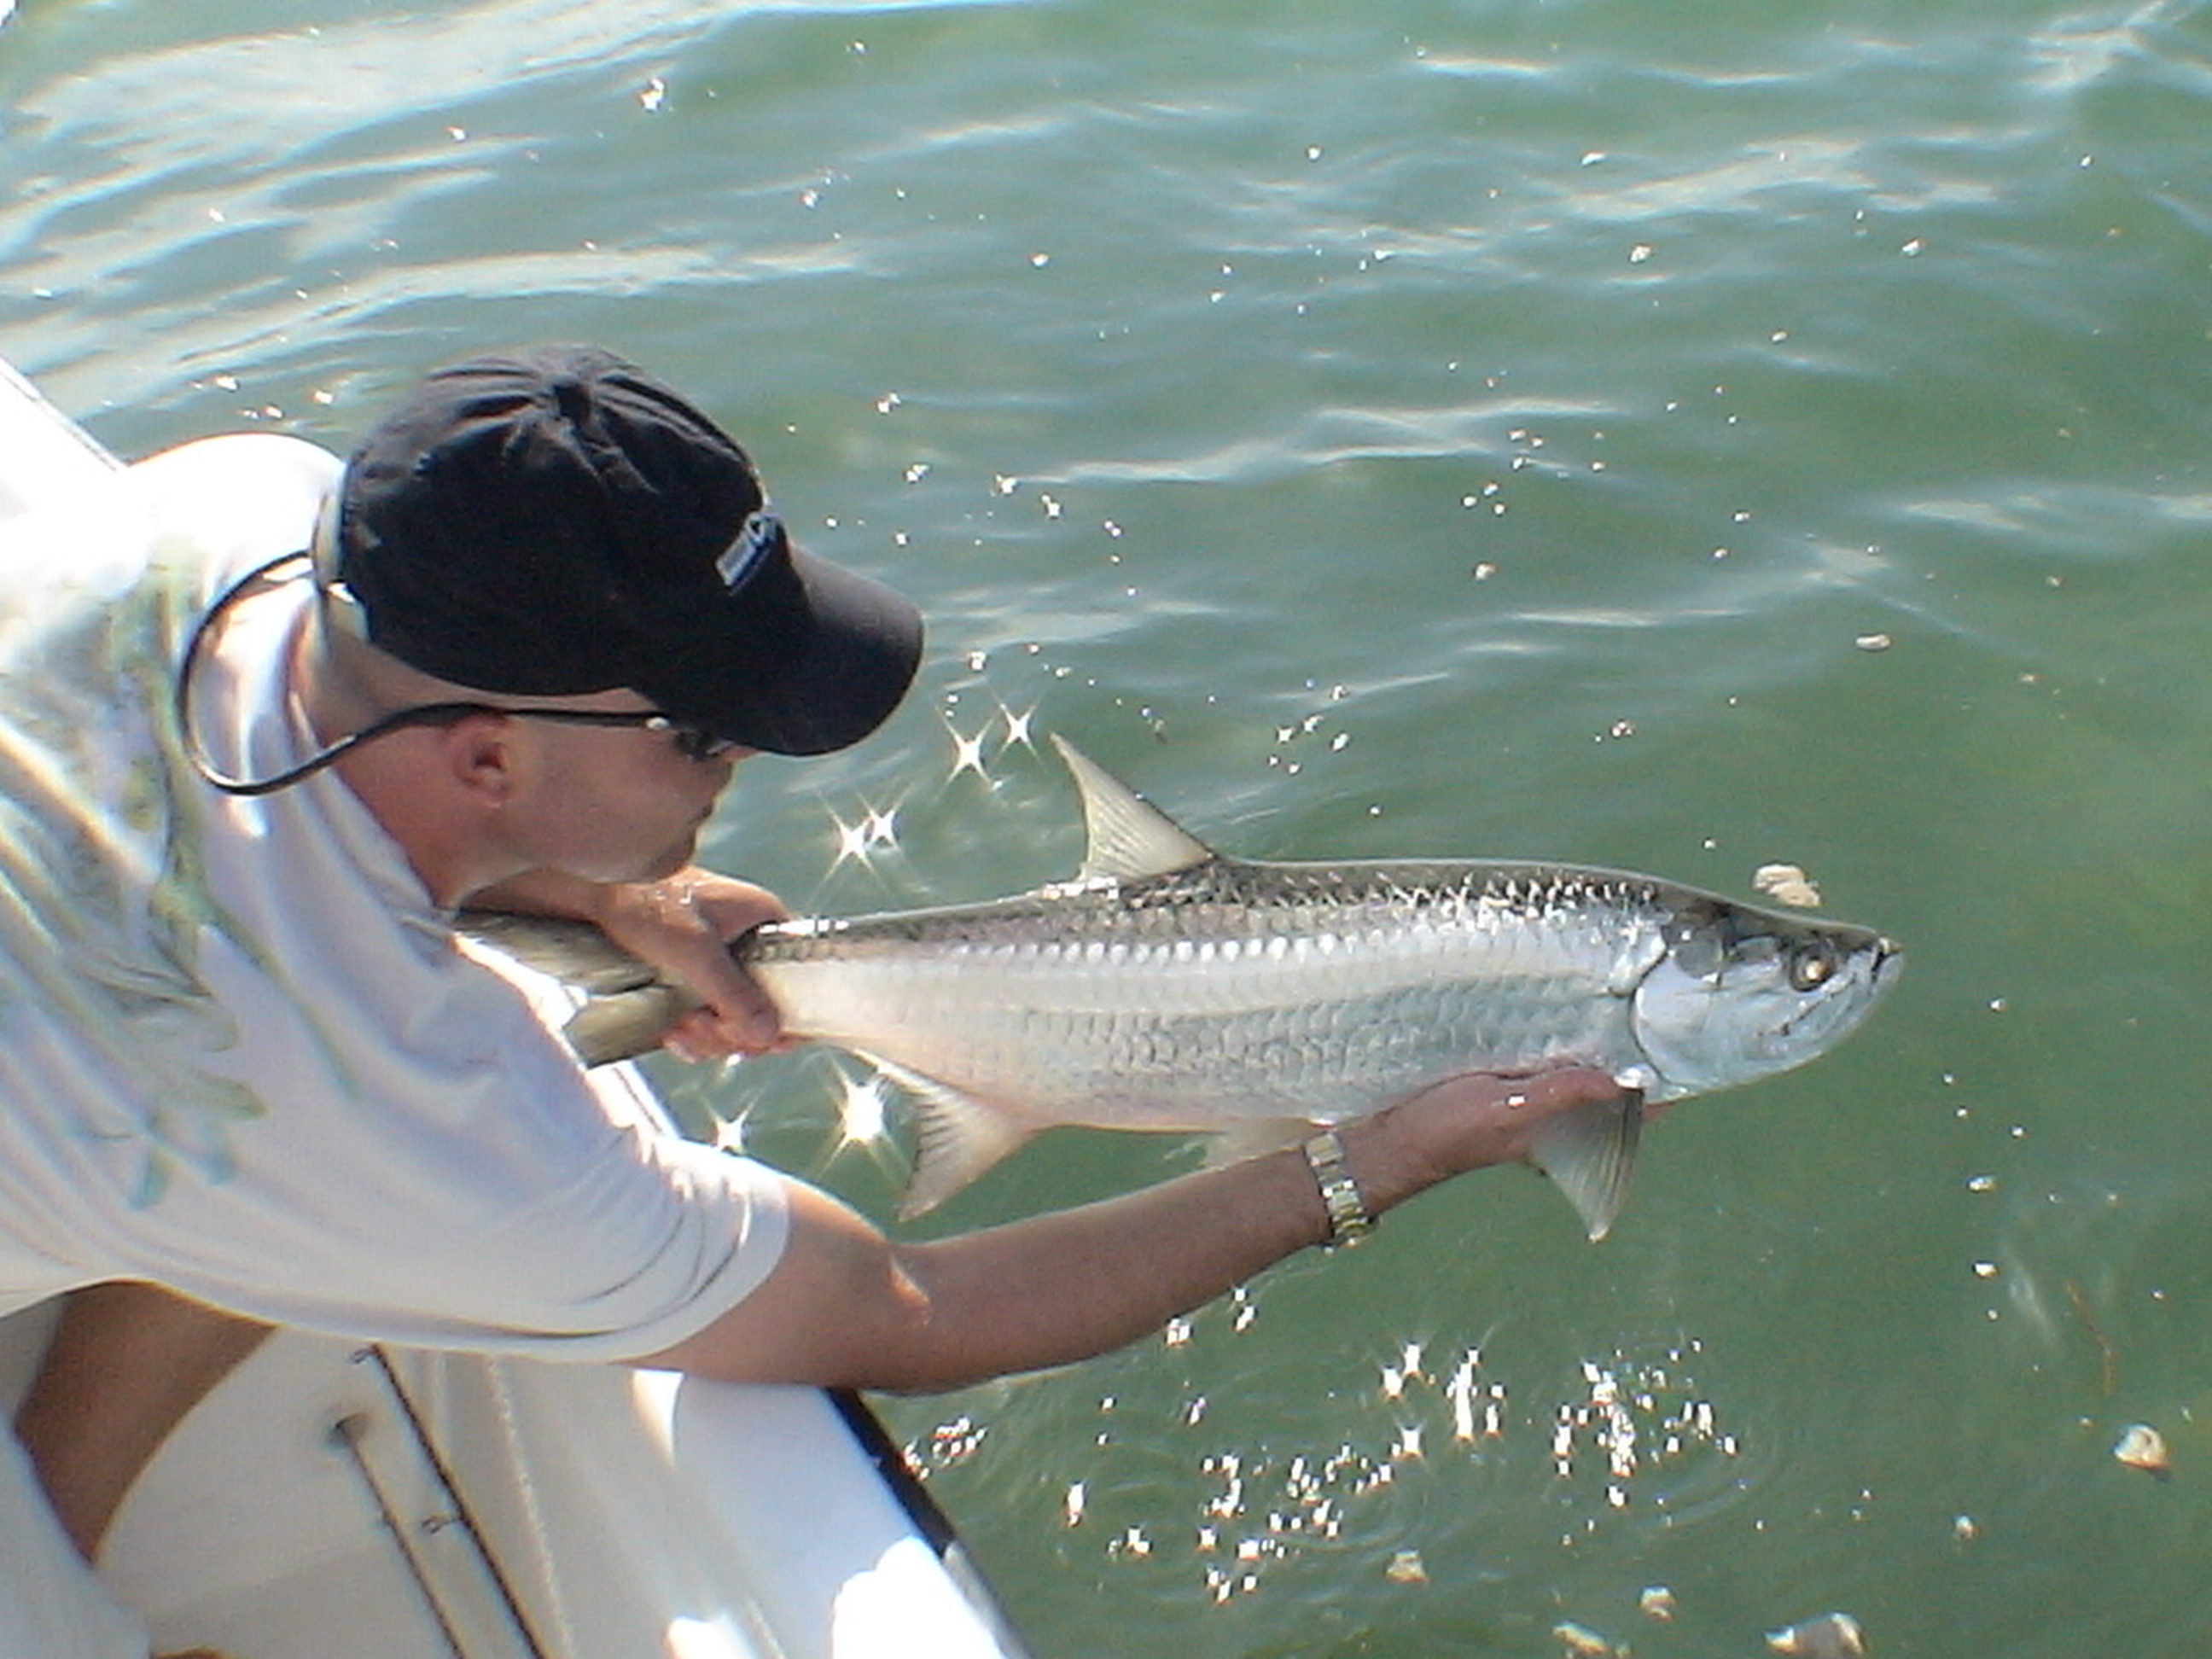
x=1888, y=963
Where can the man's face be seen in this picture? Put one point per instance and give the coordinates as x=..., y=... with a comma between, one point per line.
x=612, y=804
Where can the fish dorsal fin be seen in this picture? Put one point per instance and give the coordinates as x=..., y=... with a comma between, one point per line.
x=1590, y=1152
x=1126, y=837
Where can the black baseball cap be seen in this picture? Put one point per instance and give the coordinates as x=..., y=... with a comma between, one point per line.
x=556, y=522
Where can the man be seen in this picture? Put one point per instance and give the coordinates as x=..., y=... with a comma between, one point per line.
x=510, y=656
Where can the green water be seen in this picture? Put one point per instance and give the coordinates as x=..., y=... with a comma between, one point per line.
x=1682, y=438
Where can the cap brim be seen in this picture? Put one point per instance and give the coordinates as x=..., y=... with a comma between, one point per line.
x=856, y=647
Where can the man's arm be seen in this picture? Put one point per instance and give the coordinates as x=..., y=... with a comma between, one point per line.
x=847, y=1306
x=126, y=1362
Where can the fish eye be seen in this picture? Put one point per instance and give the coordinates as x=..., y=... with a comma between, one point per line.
x=1812, y=965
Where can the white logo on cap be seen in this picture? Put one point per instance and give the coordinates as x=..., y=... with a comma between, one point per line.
x=760, y=533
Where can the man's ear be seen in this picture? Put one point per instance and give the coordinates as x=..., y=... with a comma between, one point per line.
x=481, y=755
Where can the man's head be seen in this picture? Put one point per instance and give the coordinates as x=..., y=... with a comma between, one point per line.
x=555, y=523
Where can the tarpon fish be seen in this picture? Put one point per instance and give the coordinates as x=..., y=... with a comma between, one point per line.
x=1169, y=986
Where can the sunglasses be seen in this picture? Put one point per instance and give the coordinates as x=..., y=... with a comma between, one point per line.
x=694, y=742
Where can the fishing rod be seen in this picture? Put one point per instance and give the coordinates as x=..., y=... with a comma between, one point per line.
x=347, y=1434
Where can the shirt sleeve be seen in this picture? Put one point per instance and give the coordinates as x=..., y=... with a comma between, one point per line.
x=494, y=1197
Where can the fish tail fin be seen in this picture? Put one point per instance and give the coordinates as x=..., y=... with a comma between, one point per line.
x=623, y=1024
x=1589, y=1153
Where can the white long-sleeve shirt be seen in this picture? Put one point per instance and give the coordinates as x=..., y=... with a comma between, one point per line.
x=241, y=1052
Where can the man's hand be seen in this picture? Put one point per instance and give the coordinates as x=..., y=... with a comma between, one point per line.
x=683, y=926
x=1468, y=1122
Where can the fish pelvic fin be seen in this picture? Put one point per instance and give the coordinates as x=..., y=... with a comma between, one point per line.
x=1255, y=1138
x=957, y=1137
x=1589, y=1153
x=1126, y=836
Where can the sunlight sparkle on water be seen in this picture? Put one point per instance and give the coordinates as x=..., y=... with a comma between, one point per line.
x=1589, y=1440
x=968, y=753
x=857, y=840
x=860, y=1108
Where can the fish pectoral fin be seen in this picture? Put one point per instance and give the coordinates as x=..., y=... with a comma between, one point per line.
x=957, y=1137
x=1126, y=837
x=1589, y=1153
